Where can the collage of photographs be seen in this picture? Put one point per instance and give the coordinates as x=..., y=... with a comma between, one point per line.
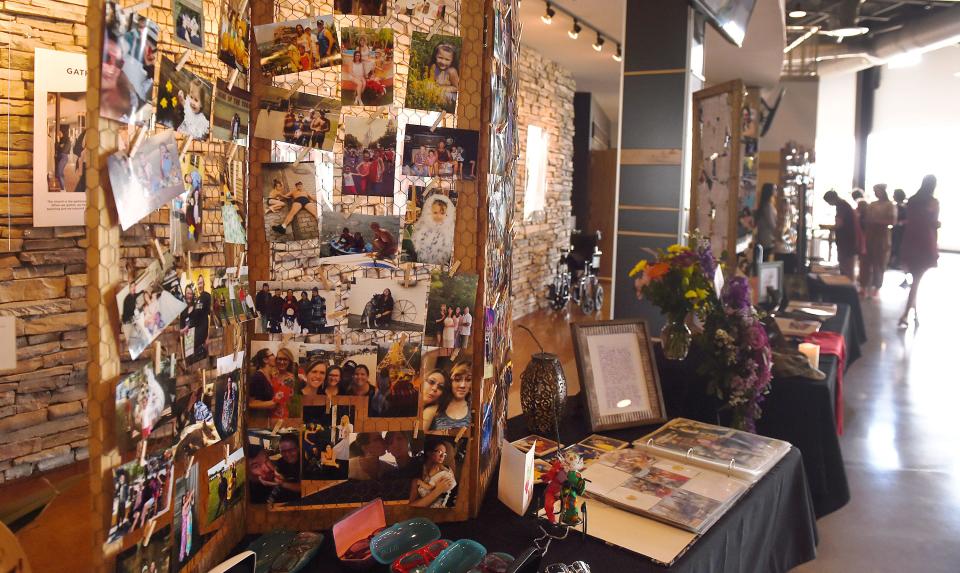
x=313, y=405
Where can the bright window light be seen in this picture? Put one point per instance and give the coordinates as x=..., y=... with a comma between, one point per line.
x=905, y=60
x=535, y=191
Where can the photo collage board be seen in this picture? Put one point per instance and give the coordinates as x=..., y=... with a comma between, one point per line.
x=174, y=120
x=360, y=383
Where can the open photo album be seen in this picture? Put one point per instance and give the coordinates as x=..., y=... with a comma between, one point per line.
x=686, y=474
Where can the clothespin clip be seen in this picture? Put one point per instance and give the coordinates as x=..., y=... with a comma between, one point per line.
x=232, y=151
x=182, y=61
x=406, y=274
x=159, y=250
x=157, y=356
x=137, y=140
x=233, y=78
x=243, y=7
x=437, y=123
x=434, y=29
x=173, y=365
x=453, y=357
x=186, y=148
x=296, y=87
x=303, y=153
x=138, y=7
x=143, y=451
x=148, y=531
x=416, y=430
x=454, y=268
x=463, y=430
x=338, y=341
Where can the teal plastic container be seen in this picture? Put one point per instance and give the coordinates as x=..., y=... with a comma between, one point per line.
x=458, y=558
x=402, y=537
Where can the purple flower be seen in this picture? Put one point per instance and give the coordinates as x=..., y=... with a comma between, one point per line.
x=708, y=263
x=736, y=294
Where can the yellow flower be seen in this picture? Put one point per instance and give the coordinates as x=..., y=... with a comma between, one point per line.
x=638, y=268
x=691, y=294
x=676, y=249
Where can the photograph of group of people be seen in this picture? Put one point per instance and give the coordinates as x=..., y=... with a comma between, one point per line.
x=128, y=65
x=149, y=304
x=327, y=435
x=449, y=320
x=429, y=222
x=188, y=23
x=225, y=485
x=387, y=304
x=423, y=9
x=144, y=183
x=295, y=46
x=147, y=558
x=442, y=152
x=144, y=401
x=300, y=308
x=434, y=80
x=231, y=301
x=66, y=157
x=141, y=492
x=369, y=156
x=290, y=202
x=351, y=234
x=367, y=69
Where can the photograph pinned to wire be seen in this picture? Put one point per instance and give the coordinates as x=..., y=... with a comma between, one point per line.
x=449, y=321
x=196, y=317
x=144, y=183
x=430, y=220
x=440, y=152
x=387, y=304
x=237, y=281
x=357, y=237
x=327, y=435
x=141, y=492
x=193, y=415
x=231, y=114
x=367, y=69
x=369, y=156
x=188, y=23
x=226, y=481
x=149, y=304
x=272, y=380
x=295, y=307
x=234, y=36
x=231, y=209
x=434, y=79
x=186, y=211
x=361, y=7
x=187, y=540
x=446, y=389
x=154, y=556
x=426, y=10
x=290, y=202
x=273, y=467
x=397, y=380
x=184, y=101
x=301, y=119
x=300, y=45
x=128, y=65
x=144, y=402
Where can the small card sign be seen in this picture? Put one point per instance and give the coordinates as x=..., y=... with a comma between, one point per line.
x=515, y=485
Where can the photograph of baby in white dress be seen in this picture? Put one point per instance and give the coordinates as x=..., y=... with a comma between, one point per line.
x=429, y=224
x=184, y=101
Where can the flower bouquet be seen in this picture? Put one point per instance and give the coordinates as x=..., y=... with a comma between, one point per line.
x=737, y=359
x=680, y=282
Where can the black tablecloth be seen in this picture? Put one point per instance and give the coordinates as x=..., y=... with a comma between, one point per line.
x=798, y=410
x=771, y=529
x=842, y=294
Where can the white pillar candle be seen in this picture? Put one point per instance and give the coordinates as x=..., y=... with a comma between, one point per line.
x=812, y=352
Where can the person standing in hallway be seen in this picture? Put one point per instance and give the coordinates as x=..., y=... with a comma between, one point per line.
x=919, y=251
x=766, y=220
x=900, y=199
x=847, y=232
x=881, y=215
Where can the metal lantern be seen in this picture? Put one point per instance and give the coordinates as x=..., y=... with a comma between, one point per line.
x=543, y=392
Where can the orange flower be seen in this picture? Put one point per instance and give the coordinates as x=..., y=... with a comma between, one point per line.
x=658, y=270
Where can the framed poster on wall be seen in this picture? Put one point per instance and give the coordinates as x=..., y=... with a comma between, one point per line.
x=59, y=123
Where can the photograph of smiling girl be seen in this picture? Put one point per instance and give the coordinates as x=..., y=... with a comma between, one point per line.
x=434, y=72
x=447, y=383
x=436, y=484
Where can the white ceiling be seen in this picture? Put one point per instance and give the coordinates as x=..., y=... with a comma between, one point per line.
x=594, y=72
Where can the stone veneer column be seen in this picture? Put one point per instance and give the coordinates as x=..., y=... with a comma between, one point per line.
x=655, y=133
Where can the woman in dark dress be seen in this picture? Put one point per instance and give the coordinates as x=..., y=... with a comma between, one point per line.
x=919, y=252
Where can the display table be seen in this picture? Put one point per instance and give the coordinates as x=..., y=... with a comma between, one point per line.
x=797, y=410
x=856, y=333
x=771, y=529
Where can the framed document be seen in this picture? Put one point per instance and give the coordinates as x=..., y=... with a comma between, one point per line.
x=618, y=376
x=770, y=283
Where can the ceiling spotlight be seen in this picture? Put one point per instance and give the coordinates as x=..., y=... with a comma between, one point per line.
x=618, y=57
x=574, y=32
x=598, y=45
x=547, y=17
x=797, y=13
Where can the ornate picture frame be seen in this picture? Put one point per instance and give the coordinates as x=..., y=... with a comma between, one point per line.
x=618, y=374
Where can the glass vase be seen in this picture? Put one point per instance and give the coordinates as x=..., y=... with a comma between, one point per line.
x=675, y=338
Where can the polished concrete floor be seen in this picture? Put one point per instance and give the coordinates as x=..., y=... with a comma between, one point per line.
x=901, y=445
